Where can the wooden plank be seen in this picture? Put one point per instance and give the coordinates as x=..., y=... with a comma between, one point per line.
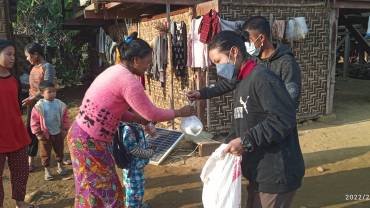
x=164, y=15
x=112, y=5
x=346, y=4
x=203, y=8
x=170, y=63
x=206, y=145
x=201, y=105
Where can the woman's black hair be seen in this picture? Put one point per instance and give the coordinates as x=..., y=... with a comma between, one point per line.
x=225, y=40
x=34, y=48
x=5, y=43
x=132, y=47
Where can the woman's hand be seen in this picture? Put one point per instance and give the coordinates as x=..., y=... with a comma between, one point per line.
x=234, y=147
x=185, y=111
x=28, y=101
x=193, y=95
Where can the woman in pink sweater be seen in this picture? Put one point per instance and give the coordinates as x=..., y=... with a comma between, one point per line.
x=105, y=104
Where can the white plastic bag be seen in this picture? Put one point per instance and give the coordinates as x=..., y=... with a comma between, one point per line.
x=300, y=29
x=221, y=177
x=191, y=125
x=290, y=30
x=296, y=29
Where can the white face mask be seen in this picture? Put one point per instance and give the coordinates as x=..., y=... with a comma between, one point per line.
x=251, y=48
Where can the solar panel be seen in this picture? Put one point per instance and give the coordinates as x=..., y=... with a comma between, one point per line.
x=165, y=141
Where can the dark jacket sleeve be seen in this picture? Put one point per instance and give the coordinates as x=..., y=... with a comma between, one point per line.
x=281, y=117
x=221, y=87
x=291, y=75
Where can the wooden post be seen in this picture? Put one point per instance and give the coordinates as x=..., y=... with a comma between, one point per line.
x=169, y=62
x=332, y=62
x=361, y=55
x=347, y=50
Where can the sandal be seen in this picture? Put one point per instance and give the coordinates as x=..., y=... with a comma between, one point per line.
x=62, y=172
x=67, y=162
x=48, y=178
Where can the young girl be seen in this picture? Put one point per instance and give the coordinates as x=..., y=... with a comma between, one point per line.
x=104, y=105
x=40, y=71
x=13, y=135
x=133, y=138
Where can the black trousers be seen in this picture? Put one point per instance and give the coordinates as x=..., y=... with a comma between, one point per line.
x=33, y=147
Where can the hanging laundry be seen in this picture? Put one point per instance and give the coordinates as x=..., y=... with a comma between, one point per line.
x=236, y=26
x=108, y=45
x=197, y=51
x=209, y=26
x=368, y=28
x=160, y=54
x=179, y=44
x=112, y=53
x=278, y=29
x=101, y=40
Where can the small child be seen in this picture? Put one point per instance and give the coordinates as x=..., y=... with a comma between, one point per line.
x=134, y=140
x=49, y=122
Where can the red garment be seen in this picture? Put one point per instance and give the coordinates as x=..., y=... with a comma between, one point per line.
x=209, y=26
x=36, y=76
x=13, y=134
x=246, y=69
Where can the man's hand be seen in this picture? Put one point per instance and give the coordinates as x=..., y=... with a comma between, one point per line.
x=193, y=95
x=235, y=147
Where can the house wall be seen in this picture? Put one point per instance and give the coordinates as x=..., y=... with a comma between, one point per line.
x=162, y=96
x=4, y=20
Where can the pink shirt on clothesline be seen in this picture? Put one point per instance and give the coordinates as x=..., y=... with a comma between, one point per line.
x=108, y=99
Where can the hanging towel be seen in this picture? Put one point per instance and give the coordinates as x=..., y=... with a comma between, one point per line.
x=278, y=29
x=235, y=26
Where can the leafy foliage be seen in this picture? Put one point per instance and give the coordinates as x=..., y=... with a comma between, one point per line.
x=42, y=21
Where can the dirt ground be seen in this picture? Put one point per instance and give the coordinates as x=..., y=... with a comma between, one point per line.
x=338, y=143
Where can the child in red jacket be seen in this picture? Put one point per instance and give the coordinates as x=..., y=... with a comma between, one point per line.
x=49, y=122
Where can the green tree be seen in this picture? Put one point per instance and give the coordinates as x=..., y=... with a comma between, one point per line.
x=42, y=21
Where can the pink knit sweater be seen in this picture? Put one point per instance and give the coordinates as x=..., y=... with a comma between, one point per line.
x=108, y=99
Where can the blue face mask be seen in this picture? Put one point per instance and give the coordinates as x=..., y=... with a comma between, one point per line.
x=226, y=70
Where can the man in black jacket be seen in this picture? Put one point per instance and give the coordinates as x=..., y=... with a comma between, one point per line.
x=279, y=60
